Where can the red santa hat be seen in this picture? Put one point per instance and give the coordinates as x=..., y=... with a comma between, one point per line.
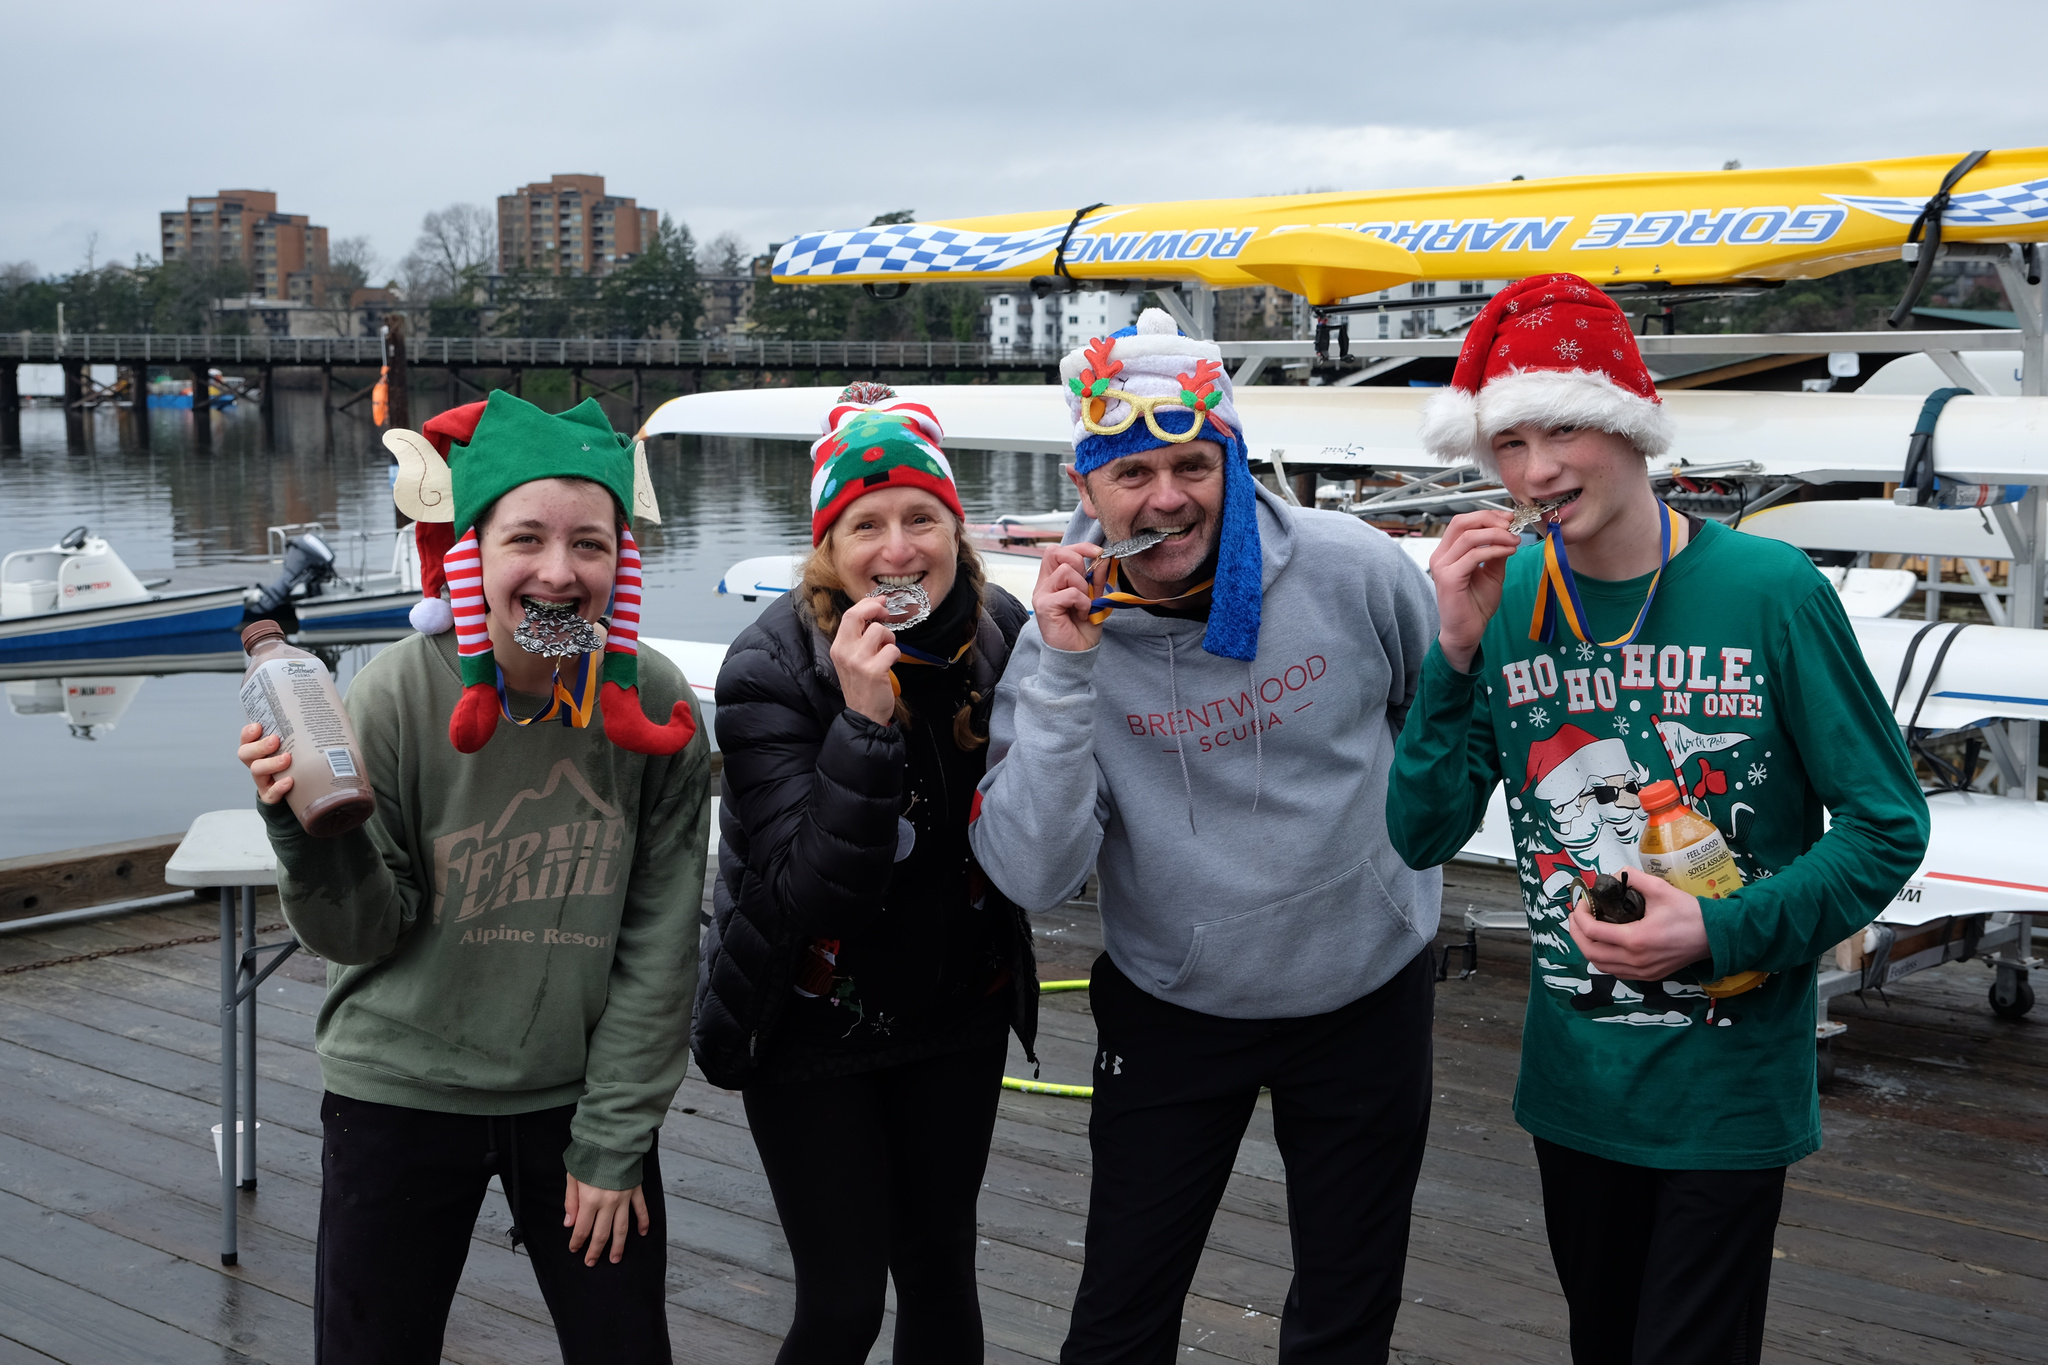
x=1560, y=767
x=1552, y=350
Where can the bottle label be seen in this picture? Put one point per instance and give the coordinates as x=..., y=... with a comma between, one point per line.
x=289, y=698
x=260, y=705
x=1705, y=868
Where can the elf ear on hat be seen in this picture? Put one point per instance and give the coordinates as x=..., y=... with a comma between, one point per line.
x=1148, y=386
x=507, y=442
x=873, y=439
x=420, y=488
x=1551, y=350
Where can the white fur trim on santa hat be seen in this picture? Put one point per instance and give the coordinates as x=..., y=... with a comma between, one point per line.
x=1457, y=425
x=431, y=616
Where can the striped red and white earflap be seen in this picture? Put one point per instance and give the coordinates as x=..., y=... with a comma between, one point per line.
x=625, y=724
x=465, y=570
x=476, y=712
x=622, y=636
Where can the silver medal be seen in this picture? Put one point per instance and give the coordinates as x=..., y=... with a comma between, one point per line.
x=907, y=600
x=1528, y=514
x=1135, y=545
x=553, y=630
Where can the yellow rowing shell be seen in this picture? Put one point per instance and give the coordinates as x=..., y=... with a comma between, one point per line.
x=1681, y=229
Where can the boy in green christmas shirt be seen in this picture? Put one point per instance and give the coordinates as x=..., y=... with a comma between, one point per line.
x=1634, y=645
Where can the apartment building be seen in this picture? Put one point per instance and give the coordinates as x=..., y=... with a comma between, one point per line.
x=1433, y=320
x=1057, y=322
x=284, y=253
x=568, y=224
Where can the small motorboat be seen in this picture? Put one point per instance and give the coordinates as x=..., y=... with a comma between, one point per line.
x=79, y=600
x=79, y=593
x=312, y=592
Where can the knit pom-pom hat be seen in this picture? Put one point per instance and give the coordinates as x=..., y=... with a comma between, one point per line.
x=1154, y=361
x=1551, y=350
x=873, y=439
x=506, y=442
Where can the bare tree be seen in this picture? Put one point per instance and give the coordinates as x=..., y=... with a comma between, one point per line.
x=350, y=264
x=724, y=254
x=456, y=245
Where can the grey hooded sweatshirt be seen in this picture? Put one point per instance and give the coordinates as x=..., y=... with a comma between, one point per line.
x=1235, y=813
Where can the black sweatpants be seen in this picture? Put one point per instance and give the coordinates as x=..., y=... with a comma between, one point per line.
x=876, y=1176
x=400, y=1190
x=1660, y=1267
x=1174, y=1090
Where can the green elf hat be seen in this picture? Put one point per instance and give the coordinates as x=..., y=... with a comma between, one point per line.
x=505, y=442
x=873, y=439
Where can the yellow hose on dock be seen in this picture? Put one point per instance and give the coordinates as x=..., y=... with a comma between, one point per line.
x=1071, y=1092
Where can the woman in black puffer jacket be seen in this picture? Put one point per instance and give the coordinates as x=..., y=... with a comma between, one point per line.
x=860, y=977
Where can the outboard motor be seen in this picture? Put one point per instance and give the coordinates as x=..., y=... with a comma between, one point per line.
x=308, y=563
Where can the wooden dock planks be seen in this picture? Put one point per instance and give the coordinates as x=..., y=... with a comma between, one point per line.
x=1916, y=1235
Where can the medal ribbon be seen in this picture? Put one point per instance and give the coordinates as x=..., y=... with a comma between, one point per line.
x=1113, y=597
x=911, y=654
x=1557, y=592
x=573, y=704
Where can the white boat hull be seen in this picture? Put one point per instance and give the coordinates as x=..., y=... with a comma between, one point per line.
x=1820, y=437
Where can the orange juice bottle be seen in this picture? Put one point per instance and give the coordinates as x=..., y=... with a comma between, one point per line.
x=1685, y=849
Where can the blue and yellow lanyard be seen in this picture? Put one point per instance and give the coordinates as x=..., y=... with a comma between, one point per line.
x=1110, y=596
x=1557, y=592
x=573, y=705
x=911, y=654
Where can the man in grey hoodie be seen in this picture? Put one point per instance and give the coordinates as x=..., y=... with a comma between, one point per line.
x=1208, y=721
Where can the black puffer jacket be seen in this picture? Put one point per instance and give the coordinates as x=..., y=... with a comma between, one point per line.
x=808, y=827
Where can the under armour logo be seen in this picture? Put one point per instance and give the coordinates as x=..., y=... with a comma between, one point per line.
x=1113, y=1065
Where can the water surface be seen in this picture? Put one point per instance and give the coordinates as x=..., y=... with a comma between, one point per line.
x=168, y=506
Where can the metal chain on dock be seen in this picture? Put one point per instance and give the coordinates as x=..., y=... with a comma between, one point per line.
x=131, y=948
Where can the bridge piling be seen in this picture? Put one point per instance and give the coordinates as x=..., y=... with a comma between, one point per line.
x=74, y=405
x=266, y=402
x=202, y=407
x=138, y=393
x=398, y=390
x=10, y=405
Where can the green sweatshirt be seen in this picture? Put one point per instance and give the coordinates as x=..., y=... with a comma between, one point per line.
x=1747, y=684
x=516, y=929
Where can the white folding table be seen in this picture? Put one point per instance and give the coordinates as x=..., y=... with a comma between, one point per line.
x=230, y=849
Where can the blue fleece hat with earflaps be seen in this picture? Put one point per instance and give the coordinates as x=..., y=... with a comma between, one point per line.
x=1153, y=361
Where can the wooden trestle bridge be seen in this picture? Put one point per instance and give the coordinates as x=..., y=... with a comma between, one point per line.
x=467, y=361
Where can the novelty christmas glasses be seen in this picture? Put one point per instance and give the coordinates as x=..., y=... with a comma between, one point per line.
x=1200, y=394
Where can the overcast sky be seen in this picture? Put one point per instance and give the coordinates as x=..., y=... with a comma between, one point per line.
x=769, y=119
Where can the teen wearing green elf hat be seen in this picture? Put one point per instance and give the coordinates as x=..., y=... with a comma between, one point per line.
x=512, y=939
x=506, y=442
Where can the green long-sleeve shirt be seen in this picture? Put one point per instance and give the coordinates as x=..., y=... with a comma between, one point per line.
x=515, y=929
x=1746, y=685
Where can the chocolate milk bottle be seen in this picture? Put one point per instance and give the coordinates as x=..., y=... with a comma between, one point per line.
x=289, y=693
